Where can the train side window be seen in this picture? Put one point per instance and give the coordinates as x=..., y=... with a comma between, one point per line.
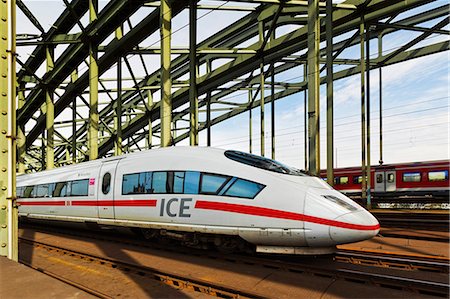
x=357, y=179
x=245, y=189
x=211, y=183
x=411, y=177
x=379, y=178
x=159, y=182
x=41, y=190
x=390, y=178
x=178, y=182
x=130, y=183
x=28, y=192
x=342, y=180
x=148, y=182
x=106, y=183
x=61, y=189
x=191, y=182
x=79, y=188
x=19, y=191
x=439, y=175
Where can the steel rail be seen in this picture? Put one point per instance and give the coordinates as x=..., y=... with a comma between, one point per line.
x=393, y=261
x=287, y=263
x=165, y=277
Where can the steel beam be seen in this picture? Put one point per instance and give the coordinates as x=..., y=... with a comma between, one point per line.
x=21, y=133
x=93, y=88
x=250, y=122
x=369, y=203
x=420, y=52
x=363, y=112
x=118, y=113
x=49, y=113
x=313, y=87
x=193, y=72
x=380, y=87
x=8, y=207
x=150, y=125
x=261, y=90
x=166, y=79
x=330, y=104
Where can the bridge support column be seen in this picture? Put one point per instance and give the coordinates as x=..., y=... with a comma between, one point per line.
x=363, y=113
x=118, y=113
x=166, y=80
x=150, y=125
x=261, y=91
x=8, y=208
x=21, y=139
x=93, y=89
x=193, y=71
x=49, y=114
x=330, y=104
x=313, y=87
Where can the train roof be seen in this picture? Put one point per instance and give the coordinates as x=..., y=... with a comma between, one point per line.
x=169, y=151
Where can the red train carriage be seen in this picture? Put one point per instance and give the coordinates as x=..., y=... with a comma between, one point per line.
x=406, y=179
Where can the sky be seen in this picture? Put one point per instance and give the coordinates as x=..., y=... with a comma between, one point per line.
x=415, y=95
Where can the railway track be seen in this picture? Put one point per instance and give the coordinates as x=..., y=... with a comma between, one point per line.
x=393, y=261
x=423, y=221
x=360, y=272
x=350, y=256
x=165, y=277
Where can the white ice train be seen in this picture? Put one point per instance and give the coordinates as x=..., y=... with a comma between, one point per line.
x=200, y=196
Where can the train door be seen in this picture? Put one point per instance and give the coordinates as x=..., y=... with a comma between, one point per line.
x=385, y=181
x=105, y=190
x=379, y=181
x=390, y=181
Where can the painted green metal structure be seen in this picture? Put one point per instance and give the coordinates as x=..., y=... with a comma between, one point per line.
x=193, y=88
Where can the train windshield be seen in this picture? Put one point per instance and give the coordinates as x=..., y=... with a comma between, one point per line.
x=263, y=163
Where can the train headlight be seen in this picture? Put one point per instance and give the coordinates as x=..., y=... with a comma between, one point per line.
x=340, y=202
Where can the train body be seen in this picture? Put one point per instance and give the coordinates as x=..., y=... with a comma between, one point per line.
x=200, y=194
x=395, y=180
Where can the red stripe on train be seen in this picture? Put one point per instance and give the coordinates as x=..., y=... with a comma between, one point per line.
x=258, y=211
x=94, y=203
x=42, y=203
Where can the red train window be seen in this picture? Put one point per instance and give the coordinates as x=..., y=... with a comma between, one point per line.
x=411, y=177
x=440, y=175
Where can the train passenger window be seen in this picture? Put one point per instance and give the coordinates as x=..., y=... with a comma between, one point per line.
x=357, y=179
x=178, y=182
x=19, y=191
x=130, y=183
x=411, y=177
x=211, y=183
x=41, y=190
x=390, y=178
x=191, y=180
x=341, y=180
x=436, y=176
x=106, y=183
x=379, y=178
x=28, y=192
x=61, y=189
x=79, y=188
x=159, y=182
x=245, y=189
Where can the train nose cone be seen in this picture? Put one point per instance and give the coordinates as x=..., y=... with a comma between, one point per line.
x=354, y=227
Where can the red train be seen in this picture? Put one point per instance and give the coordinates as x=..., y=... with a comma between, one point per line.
x=424, y=179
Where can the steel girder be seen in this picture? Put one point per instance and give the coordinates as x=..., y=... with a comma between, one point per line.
x=115, y=48
x=344, y=21
x=111, y=17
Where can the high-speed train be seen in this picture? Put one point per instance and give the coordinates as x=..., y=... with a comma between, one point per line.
x=201, y=196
